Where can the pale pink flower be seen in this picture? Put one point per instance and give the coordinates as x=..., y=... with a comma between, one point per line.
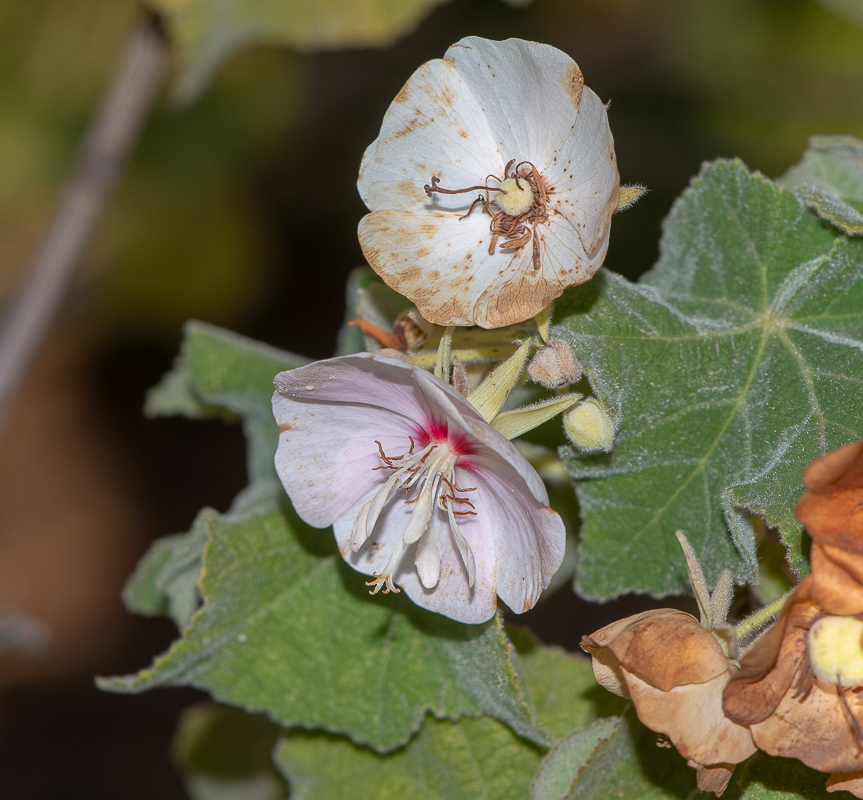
x=421, y=491
x=491, y=185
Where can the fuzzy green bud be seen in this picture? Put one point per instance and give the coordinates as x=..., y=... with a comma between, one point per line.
x=589, y=426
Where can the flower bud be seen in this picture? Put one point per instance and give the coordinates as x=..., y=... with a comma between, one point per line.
x=589, y=426
x=554, y=365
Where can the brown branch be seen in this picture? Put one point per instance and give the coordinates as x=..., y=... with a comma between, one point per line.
x=100, y=164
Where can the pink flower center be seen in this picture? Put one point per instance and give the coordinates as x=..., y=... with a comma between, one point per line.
x=427, y=468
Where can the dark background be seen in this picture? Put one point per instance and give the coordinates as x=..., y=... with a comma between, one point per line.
x=241, y=209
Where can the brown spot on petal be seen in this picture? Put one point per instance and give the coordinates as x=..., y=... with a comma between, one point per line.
x=402, y=96
x=574, y=84
x=285, y=426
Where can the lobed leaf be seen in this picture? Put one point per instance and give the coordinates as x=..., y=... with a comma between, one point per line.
x=287, y=628
x=559, y=768
x=731, y=365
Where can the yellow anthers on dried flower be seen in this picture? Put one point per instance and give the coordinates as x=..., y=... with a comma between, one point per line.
x=832, y=511
x=674, y=671
x=836, y=650
x=491, y=185
x=554, y=366
x=589, y=426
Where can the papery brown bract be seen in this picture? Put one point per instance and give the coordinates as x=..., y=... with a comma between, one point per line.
x=674, y=671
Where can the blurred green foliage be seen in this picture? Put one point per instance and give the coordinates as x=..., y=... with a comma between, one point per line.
x=228, y=200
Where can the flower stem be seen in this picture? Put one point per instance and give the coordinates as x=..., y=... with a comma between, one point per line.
x=760, y=617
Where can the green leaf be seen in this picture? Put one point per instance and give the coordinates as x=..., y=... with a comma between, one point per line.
x=208, y=32
x=560, y=687
x=288, y=628
x=558, y=769
x=219, y=369
x=480, y=759
x=734, y=363
x=141, y=593
x=764, y=777
x=226, y=754
x=829, y=179
x=629, y=764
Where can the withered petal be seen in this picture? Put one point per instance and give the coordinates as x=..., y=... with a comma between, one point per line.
x=839, y=469
x=815, y=729
x=837, y=580
x=606, y=667
x=846, y=782
x=768, y=670
x=669, y=649
x=691, y=716
x=713, y=778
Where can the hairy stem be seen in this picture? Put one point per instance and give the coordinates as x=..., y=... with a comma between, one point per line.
x=111, y=135
x=762, y=616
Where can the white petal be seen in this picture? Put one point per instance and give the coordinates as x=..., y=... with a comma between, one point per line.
x=529, y=92
x=530, y=539
x=375, y=381
x=463, y=547
x=447, y=403
x=586, y=180
x=438, y=260
x=428, y=560
x=435, y=126
x=452, y=596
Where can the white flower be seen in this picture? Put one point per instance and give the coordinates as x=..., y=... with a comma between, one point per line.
x=512, y=130
x=421, y=491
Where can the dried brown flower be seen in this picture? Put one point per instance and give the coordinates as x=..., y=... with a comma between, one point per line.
x=799, y=686
x=674, y=670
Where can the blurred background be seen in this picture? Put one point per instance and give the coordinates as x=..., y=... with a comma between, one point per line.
x=239, y=207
